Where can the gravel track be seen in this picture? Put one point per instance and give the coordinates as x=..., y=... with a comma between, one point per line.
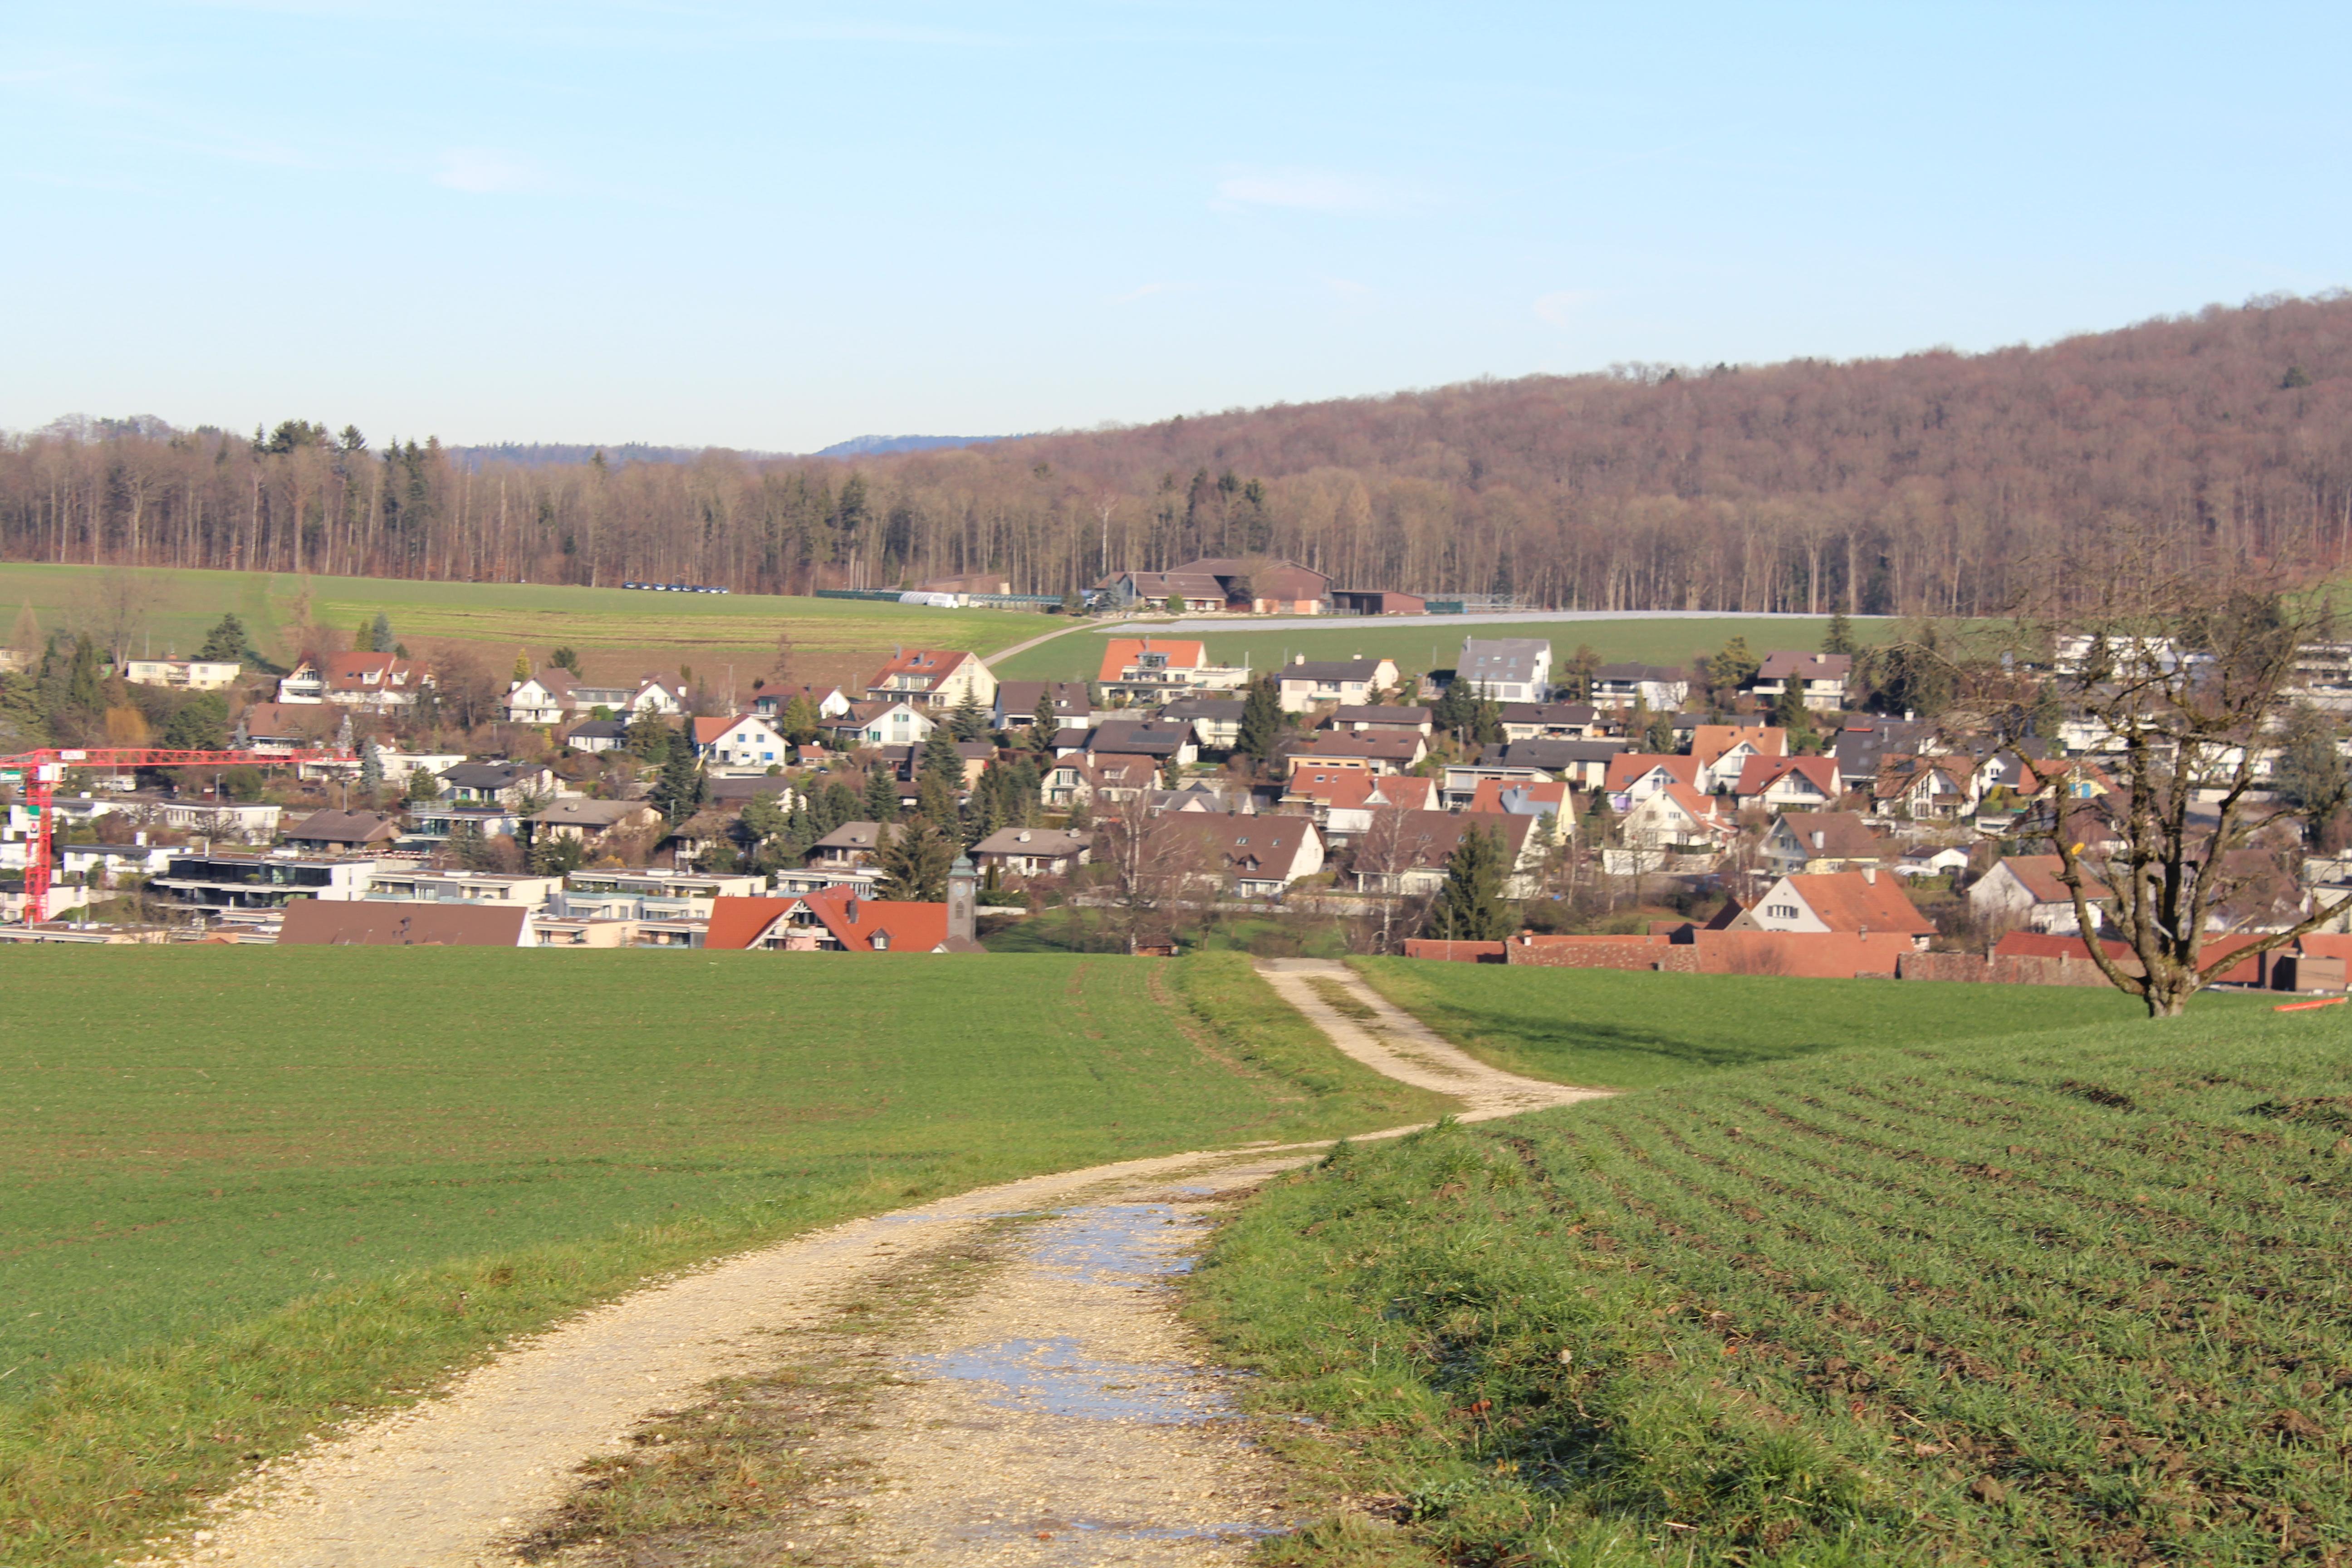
x=1061, y=1414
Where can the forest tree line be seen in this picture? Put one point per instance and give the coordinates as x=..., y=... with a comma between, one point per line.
x=1937, y=483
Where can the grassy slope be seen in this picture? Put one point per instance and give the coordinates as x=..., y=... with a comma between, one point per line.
x=2075, y=1297
x=1425, y=643
x=617, y=629
x=1623, y=1030
x=244, y=1189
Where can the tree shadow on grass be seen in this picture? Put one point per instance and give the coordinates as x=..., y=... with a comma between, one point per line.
x=1544, y=1036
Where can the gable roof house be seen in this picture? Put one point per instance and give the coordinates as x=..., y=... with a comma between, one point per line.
x=1787, y=783
x=1378, y=752
x=1820, y=841
x=1381, y=721
x=1145, y=738
x=1722, y=750
x=1216, y=720
x=1856, y=901
x=541, y=698
x=885, y=724
x=655, y=695
x=1822, y=677
x=585, y=821
x=341, y=832
x=375, y=681
x=1925, y=789
x=748, y=741
x=2024, y=890
x=1861, y=742
x=1351, y=682
x=1550, y=805
x=1660, y=687
x=1676, y=819
x=835, y=920
x=1224, y=583
x=1506, y=669
x=1016, y=704
x=1260, y=857
x=1406, y=851
x=1584, y=763
x=934, y=677
x=1637, y=773
x=1031, y=851
x=1341, y=800
x=830, y=702
x=851, y=844
x=292, y=727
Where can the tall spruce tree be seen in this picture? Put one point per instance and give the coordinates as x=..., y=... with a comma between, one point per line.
x=1469, y=907
x=881, y=793
x=915, y=862
x=1263, y=721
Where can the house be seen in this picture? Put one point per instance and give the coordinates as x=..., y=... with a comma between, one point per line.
x=1165, y=742
x=1113, y=777
x=1216, y=720
x=1380, y=721
x=589, y=822
x=1584, y=763
x=286, y=727
x=1349, y=682
x=1925, y=789
x=597, y=735
x=182, y=674
x=376, y=681
x=1506, y=669
x=1675, y=819
x=897, y=723
x=1219, y=795
x=1550, y=804
x=499, y=783
x=1405, y=852
x=829, y=702
x=851, y=844
x=1787, y=783
x=1722, y=750
x=1864, y=743
x=1378, y=602
x=1821, y=678
x=1549, y=720
x=317, y=924
x=748, y=741
x=1221, y=584
x=1031, y=851
x=399, y=767
x=1259, y=857
x=1343, y=799
x=1637, y=773
x=1856, y=901
x=1382, y=754
x=541, y=698
x=838, y=919
x=1155, y=668
x=216, y=881
x=1659, y=688
x=655, y=695
x=432, y=823
x=341, y=832
x=1931, y=860
x=1016, y=704
x=649, y=893
x=2025, y=891
x=1818, y=841
x=934, y=677
x=413, y=885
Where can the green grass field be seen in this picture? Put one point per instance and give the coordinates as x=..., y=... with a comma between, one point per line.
x=1424, y=643
x=1615, y=1029
x=2075, y=1297
x=246, y=1190
x=617, y=631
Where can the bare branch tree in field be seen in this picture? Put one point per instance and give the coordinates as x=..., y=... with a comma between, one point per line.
x=1150, y=862
x=1391, y=845
x=2182, y=679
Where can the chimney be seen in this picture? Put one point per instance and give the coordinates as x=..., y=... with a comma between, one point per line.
x=1821, y=839
x=1299, y=659
x=1870, y=875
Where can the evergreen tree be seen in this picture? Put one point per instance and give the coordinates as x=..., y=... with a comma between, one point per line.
x=1263, y=721
x=201, y=725
x=1469, y=907
x=1579, y=673
x=84, y=687
x=380, y=637
x=1073, y=603
x=370, y=768
x=1045, y=722
x=881, y=793
x=915, y=862
x=969, y=719
x=835, y=804
x=521, y=664
x=941, y=766
x=1732, y=667
x=1660, y=735
x=555, y=855
x=1486, y=722
x=649, y=736
x=566, y=659
x=763, y=821
x=24, y=721
x=1789, y=710
x=682, y=788
x=1839, y=637
x=225, y=643
x=2310, y=774
x=800, y=721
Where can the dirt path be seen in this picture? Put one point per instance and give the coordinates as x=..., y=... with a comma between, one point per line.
x=1059, y=1414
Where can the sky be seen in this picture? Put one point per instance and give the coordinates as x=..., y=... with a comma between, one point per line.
x=773, y=226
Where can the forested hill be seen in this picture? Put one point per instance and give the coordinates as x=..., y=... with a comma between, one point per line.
x=1935, y=482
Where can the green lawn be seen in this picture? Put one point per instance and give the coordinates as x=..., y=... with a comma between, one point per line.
x=2073, y=1296
x=615, y=629
x=244, y=1189
x=1424, y=643
x=1617, y=1029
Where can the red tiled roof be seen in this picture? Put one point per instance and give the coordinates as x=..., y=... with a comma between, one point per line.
x=2039, y=875
x=1856, y=901
x=737, y=923
x=1120, y=654
x=1489, y=799
x=1709, y=741
x=855, y=921
x=1627, y=766
x=1758, y=774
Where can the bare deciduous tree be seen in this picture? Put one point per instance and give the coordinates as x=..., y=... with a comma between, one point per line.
x=1151, y=864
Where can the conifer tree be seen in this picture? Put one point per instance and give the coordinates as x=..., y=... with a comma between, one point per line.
x=881, y=793
x=1262, y=720
x=1470, y=907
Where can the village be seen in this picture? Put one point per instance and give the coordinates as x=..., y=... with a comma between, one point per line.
x=1757, y=812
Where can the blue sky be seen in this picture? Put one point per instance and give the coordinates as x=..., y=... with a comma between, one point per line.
x=774, y=226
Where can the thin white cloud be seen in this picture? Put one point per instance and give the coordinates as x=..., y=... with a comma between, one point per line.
x=1310, y=190
x=483, y=173
x=1562, y=307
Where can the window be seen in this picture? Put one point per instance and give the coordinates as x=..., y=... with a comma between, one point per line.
x=1784, y=912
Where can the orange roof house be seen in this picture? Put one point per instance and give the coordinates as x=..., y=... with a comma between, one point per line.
x=1837, y=901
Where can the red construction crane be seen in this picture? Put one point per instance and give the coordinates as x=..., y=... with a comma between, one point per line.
x=39, y=773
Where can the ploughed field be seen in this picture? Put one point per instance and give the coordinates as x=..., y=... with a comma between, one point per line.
x=1421, y=643
x=244, y=1190
x=1620, y=1029
x=2072, y=1296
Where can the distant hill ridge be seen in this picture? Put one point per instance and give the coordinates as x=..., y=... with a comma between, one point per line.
x=563, y=454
